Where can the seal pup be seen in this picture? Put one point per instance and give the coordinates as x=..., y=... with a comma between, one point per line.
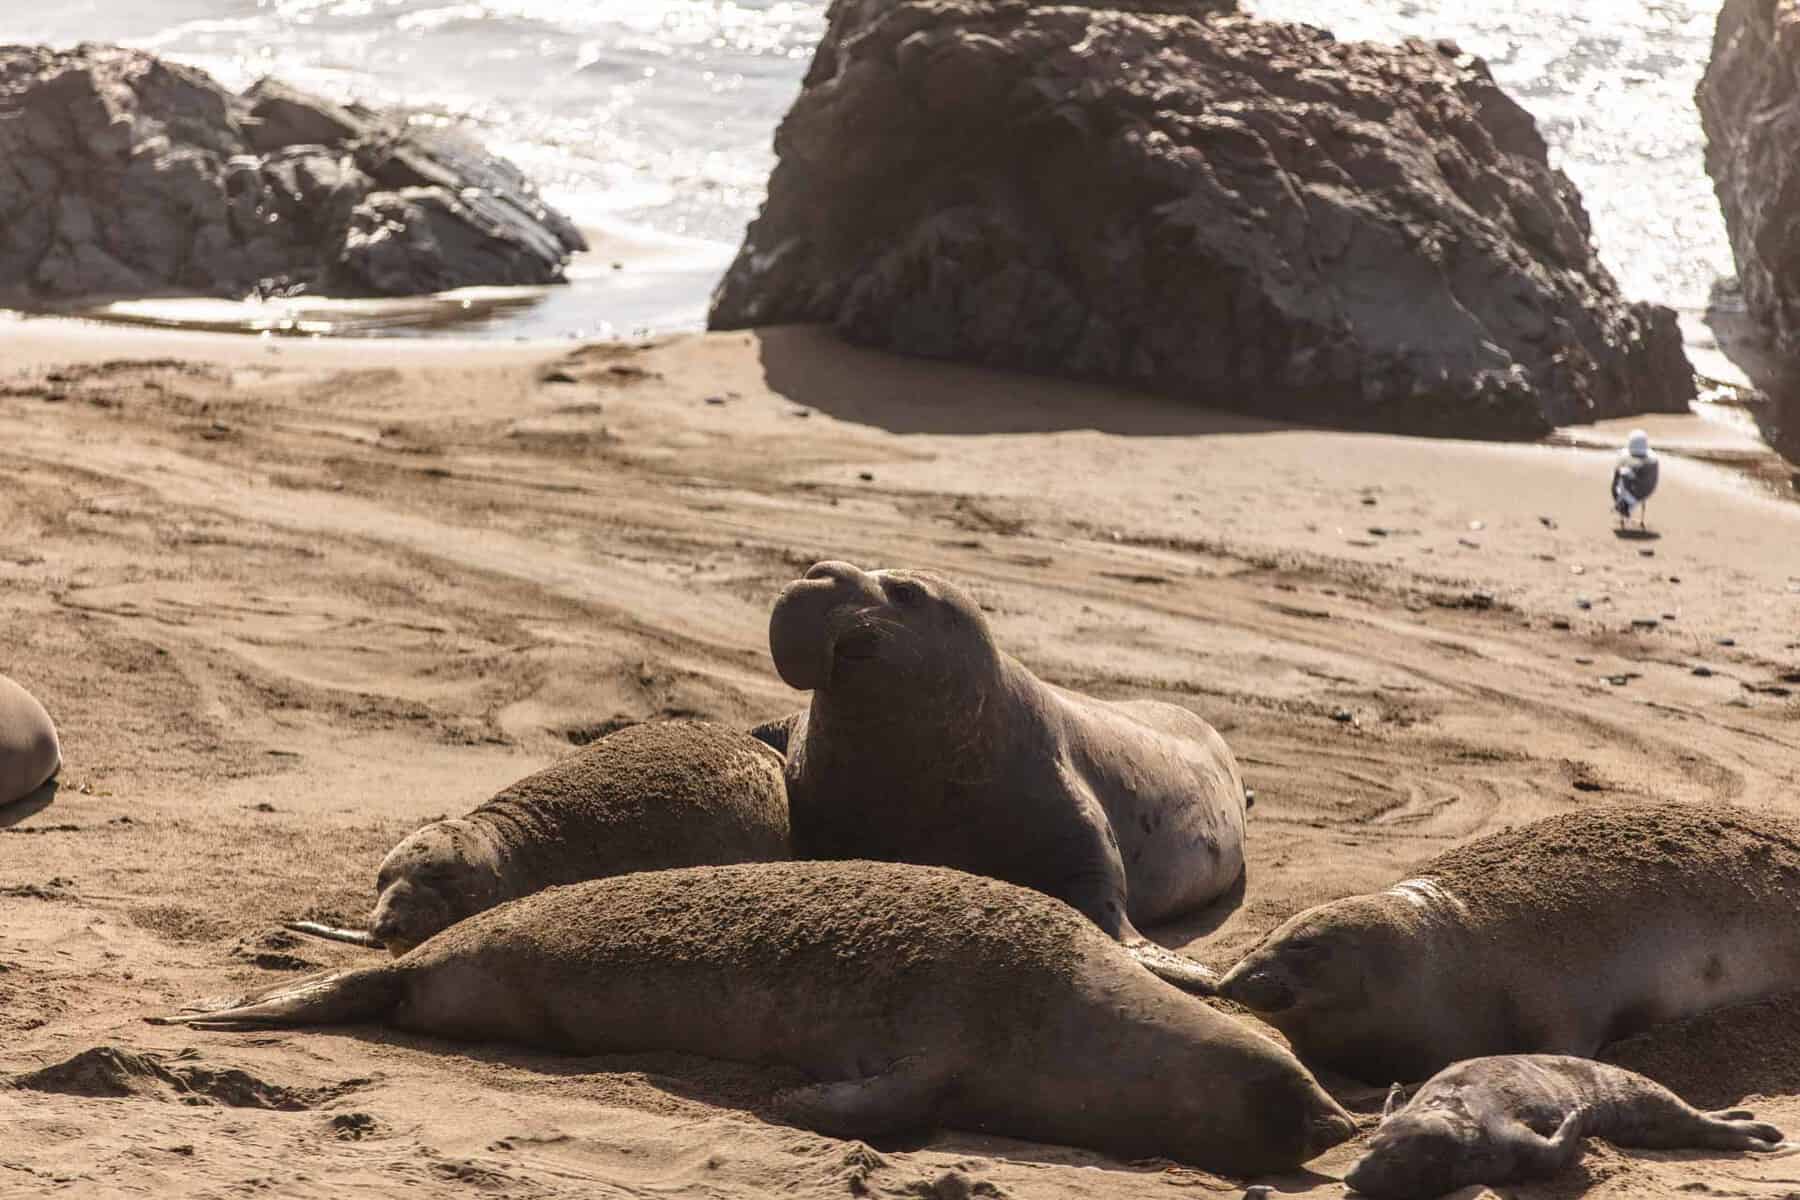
x=913, y=996
x=1556, y=937
x=926, y=743
x=661, y=794
x=1514, y=1117
x=30, y=755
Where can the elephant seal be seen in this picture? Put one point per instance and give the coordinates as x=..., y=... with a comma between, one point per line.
x=914, y=996
x=30, y=755
x=1556, y=937
x=662, y=794
x=1515, y=1117
x=926, y=743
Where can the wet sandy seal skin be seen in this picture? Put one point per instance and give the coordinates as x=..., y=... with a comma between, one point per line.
x=1511, y=1118
x=926, y=743
x=648, y=797
x=915, y=996
x=30, y=754
x=1557, y=937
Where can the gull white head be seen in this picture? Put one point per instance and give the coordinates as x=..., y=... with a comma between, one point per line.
x=1638, y=444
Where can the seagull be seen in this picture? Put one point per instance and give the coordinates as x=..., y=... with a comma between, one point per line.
x=1634, y=478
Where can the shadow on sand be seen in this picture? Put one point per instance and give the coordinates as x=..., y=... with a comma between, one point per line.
x=810, y=365
x=28, y=805
x=1631, y=533
x=1744, y=343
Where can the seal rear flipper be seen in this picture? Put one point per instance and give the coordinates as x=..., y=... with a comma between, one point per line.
x=778, y=733
x=900, y=1099
x=1737, y=1129
x=331, y=998
x=1174, y=968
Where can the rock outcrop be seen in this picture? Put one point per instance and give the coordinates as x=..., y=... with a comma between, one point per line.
x=1749, y=103
x=122, y=175
x=1230, y=211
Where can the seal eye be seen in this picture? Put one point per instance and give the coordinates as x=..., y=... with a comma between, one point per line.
x=905, y=593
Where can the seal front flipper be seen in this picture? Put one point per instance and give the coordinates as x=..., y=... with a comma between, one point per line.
x=902, y=1098
x=1174, y=968
x=1540, y=1156
x=331, y=933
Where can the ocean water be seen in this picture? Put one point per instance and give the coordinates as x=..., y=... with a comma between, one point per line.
x=650, y=122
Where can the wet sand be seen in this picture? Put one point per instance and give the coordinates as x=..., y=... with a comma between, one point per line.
x=289, y=599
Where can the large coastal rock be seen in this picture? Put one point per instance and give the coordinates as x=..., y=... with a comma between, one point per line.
x=1749, y=103
x=1230, y=211
x=122, y=175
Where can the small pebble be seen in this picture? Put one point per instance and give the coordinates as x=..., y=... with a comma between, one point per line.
x=1561, y=623
x=1370, y=501
x=1547, y=522
x=1471, y=544
x=1378, y=531
x=1704, y=672
x=1478, y=526
x=1583, y=603
x=1646, y=552
x=1644, y=622
x=1584, y=662
x=1577, y=569
x=1343, y=716
x=1674, y=579
x=1481, y=599
x=1727, y=641
x=1669, y=617
x=866, y=476
x=715, y=399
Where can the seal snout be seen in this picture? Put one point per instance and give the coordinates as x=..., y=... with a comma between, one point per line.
x=1257, y=988
x=841, y=572
x=801, y=638
x=1329, y=1129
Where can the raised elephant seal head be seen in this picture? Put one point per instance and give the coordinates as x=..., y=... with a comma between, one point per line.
x=851, y=632
x=437, y=876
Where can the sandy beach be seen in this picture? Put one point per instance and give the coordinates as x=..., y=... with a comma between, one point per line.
x=288, y=599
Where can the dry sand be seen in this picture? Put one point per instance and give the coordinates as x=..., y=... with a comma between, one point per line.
x=288, y=600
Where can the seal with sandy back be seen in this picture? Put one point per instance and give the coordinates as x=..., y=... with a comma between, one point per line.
x=30, y=755
x=912, y=996
x=926, y=743
x=1556, y=937
x=647, y=797
x=1511, y=1118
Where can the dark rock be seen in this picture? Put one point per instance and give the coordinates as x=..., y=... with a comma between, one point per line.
x=122, y=175
x=284, y=116
x=1228, y=211
x=1749, y=101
